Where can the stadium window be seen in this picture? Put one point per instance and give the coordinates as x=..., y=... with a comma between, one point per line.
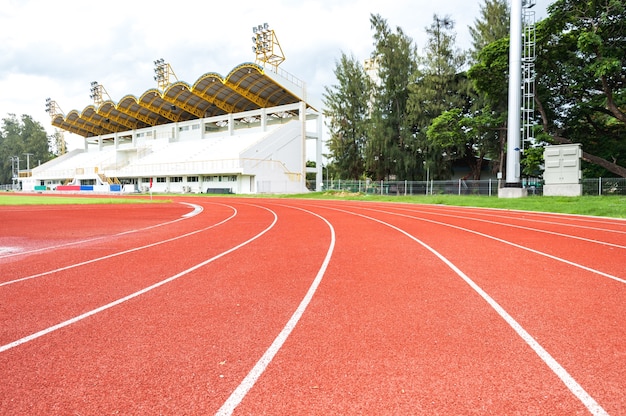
x=195, y=127
x=183, y=128
x=192, y=179
x=161, y=180
x=176, y=179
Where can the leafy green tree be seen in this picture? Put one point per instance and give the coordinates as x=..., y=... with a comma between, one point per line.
x=581, y=69
x=391, y=149
x=467, y=137
x=19, y=137
x=347, y=115
x=489, y=76
x=439, y=85
x=492, y=25
x=489, y=73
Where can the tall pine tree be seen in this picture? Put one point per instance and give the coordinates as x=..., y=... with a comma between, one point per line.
x=391, y=150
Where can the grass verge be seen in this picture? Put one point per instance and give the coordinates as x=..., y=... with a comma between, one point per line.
x=19, y=199
x=602, y=206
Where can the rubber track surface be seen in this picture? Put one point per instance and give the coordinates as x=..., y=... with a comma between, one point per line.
x=284, y=307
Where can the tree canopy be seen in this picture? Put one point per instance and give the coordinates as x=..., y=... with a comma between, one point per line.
x=25, y=139
x=410, y=111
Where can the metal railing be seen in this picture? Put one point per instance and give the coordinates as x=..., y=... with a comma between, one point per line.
x=489, y=187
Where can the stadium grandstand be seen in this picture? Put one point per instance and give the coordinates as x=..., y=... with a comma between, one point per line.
x=243, y=133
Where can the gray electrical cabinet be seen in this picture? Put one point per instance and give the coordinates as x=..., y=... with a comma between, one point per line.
x=562, y=172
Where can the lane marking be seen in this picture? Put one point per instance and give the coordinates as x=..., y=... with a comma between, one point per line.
x=578, y=391
x=533, y=215
x=251, y=378
x=119, y=253
x=541, y=253
x=538, y=230
x=193, y=213
x=85, y=315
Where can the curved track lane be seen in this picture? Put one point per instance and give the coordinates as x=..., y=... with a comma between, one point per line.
x=316, y=307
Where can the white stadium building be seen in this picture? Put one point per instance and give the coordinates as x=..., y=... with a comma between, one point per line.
x=244, y=133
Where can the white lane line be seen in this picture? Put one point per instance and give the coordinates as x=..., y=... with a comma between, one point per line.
x=538, y=230
x=248, y=382
x=190, y=214
x=120, y=253
x=541, y=253
x=534, y=215
x=135, y=294
x=578, y=391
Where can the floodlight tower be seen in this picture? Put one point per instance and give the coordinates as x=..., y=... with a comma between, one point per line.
x=54, y=110
x=266, y=46
x=96, y=93
x=162, y=73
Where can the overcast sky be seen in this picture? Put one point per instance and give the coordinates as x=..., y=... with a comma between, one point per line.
x=57, y=48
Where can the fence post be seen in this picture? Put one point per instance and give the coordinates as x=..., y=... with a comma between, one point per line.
x=489, y=186
x=381, y=186
x=459, y=187
x=600, y=186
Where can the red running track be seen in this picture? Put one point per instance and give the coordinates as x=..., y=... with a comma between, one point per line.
x=283, y=307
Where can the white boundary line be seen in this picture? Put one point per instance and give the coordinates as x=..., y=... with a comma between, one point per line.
x=135, y=294
x=522, y=227
x=541, y=253
x=589, y=402
x=196, y=211
x=248, y=382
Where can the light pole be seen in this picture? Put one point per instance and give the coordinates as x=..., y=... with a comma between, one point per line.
x=15, y=168
x=28, y=155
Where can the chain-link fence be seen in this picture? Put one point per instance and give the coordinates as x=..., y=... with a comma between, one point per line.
x=489, y=187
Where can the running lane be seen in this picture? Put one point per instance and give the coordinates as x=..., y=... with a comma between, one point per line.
x=391, y=329
x=394, y=330
x=214, y=301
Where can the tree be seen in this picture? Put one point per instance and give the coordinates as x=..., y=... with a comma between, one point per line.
x=581, y=67
x=489, y=73
x=19, y=137
x=391, y=149
x=438, y=85
x=347, y=113
x=493, y=25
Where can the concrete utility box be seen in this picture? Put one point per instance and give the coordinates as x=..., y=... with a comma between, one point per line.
x=562, y=172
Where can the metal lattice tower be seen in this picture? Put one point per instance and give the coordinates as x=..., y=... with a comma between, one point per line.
x=529, y=54
x=162, y=73
x=97, y=92
x=266, y=47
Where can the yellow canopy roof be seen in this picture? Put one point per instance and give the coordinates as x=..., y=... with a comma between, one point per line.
x=247, y=87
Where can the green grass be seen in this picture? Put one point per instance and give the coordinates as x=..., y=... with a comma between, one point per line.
x=19, y=199
x=603, y=206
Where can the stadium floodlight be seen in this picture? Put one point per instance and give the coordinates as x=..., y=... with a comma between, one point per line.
x=97, y=92
x=163, y=71
x=52, y=108
x=266, y=46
